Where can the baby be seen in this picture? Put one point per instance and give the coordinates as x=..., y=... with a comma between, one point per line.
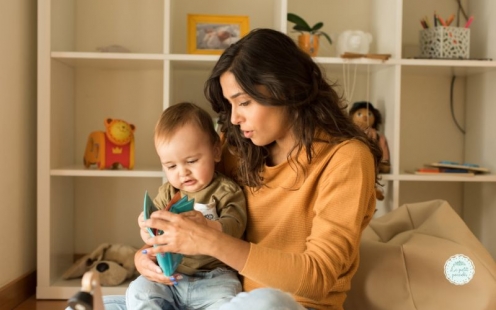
x=189, y=147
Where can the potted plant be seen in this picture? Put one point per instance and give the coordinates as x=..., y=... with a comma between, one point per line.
x=309, y=36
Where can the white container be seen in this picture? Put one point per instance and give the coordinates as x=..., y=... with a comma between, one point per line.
x=445, y=42
x=353, y=41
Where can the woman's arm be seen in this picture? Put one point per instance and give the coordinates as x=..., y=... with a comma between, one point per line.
x=232, y=251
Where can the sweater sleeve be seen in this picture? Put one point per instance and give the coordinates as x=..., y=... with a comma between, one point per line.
x=343, y=205
x=164, y=195
x=232, y=210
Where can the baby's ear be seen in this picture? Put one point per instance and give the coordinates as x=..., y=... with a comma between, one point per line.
x=217, y=152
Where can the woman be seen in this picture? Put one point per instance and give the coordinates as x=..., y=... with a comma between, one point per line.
x=308, y=173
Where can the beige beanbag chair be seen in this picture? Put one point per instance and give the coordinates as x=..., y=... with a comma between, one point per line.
x=422, y=256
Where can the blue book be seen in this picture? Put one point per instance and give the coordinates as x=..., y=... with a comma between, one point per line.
x=167, y=261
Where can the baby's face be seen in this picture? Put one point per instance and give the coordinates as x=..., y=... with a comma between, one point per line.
x=188, y=158
x=223, y=35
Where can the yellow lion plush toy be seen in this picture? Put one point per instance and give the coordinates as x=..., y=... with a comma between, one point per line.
x=107, y=149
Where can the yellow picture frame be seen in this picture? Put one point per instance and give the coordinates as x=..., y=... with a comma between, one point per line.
x=212, y=34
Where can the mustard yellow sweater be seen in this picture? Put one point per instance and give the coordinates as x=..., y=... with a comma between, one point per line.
x=305, y=227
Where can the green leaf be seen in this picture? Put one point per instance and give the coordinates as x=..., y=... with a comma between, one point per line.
x=327, y=37
x=300, y=22
x=300, y=28
x=317, y=26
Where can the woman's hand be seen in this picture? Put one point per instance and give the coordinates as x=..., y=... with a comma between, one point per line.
x=147, y=266
x=196, y=216
x=184, y=233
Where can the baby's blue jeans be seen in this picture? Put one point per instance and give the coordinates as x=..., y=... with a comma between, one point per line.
x=205, y=290
x=260, y=299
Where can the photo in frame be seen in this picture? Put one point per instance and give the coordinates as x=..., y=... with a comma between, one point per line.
x=212, y=34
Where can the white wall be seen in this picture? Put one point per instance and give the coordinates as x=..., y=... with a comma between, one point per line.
x=18, y=137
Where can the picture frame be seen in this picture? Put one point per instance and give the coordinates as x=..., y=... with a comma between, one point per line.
x=212, y=34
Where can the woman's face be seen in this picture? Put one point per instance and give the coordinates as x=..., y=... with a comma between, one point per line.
x=260, y=123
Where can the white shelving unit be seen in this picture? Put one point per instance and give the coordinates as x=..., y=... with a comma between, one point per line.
x=79, y=87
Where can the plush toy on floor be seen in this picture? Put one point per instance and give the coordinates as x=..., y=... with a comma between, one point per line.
x=107, y=149
x=113, y=262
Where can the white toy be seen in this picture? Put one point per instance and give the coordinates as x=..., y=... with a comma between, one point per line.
x=353, y=41
x=114, y=264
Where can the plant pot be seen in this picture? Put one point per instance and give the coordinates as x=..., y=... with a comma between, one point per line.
x=309, y=43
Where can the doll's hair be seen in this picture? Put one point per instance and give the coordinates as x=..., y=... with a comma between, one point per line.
x=367, y=105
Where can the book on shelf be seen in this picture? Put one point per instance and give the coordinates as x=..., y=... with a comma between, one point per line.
x=450, y=168
x=459, y=166
x=443, y=171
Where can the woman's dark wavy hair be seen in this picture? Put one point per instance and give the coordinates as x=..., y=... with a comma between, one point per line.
x=292, y=80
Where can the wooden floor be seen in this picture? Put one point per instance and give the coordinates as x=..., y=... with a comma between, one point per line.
x=33, y=304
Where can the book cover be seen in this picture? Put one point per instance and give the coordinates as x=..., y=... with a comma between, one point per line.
x=167, y=261
x=444, y=171
x=454, y=165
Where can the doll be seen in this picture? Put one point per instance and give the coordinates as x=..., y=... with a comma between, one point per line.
x=368, y=118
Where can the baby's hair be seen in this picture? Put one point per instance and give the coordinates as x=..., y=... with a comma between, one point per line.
x=180, y=114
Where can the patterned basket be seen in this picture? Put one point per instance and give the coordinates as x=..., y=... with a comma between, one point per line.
x=445, y=42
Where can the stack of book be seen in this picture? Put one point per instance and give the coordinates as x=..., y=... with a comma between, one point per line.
x=451, y=168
